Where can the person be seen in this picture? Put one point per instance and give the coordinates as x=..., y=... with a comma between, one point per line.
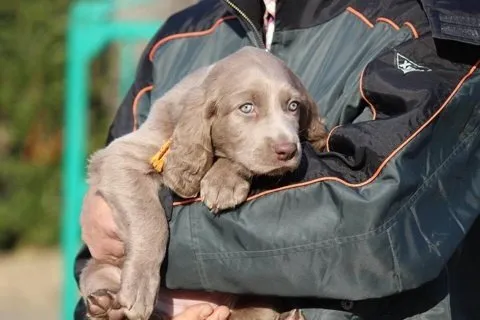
x=383, y=224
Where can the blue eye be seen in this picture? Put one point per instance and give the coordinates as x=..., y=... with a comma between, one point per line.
x=246, y=108
x=293, y=106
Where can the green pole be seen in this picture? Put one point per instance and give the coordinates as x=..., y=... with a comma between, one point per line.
x=85, y=37
x=75, y=122
x=89, y=30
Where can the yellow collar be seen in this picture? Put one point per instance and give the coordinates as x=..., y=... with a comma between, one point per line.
x=158, y=160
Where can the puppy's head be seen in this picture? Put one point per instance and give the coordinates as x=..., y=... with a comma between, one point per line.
x=250, y=108
x=262, y=113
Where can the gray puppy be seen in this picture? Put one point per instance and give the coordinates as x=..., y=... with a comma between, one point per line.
x=242, y=116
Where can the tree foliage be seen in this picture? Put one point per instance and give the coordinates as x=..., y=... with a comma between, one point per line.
x=32, y=75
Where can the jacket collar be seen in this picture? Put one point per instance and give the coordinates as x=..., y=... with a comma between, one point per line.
x=291, y=14
x=457, y=20
x=251, y=9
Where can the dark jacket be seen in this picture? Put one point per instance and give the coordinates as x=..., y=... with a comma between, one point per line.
x=381, y=226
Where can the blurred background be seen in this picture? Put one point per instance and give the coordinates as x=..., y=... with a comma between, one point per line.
x=64, y=67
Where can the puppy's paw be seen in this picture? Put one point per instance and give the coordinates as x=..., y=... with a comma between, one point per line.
x=100, y=303
x=138, y=292
x=222, y=189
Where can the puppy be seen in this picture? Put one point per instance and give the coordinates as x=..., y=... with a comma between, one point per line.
x=245, y=115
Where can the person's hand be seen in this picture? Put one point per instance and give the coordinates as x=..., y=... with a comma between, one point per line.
x=204, y=311
x=99, y=231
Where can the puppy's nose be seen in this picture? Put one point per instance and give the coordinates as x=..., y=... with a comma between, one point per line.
x=285, y=150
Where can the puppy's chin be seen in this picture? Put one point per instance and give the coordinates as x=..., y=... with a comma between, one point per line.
x=277, y=167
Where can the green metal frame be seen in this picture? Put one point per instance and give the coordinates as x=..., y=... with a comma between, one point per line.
x=90, y=29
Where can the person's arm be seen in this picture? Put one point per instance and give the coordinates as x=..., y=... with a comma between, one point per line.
x=381, y=213
x=378, y=214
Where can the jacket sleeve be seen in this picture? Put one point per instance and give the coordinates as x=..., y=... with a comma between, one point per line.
x=380, y=212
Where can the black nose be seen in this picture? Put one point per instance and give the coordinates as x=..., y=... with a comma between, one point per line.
x=285, y=150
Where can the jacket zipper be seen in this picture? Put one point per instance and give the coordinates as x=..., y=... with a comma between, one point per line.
x=257, y=35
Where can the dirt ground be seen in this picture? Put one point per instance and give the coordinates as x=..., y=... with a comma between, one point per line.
x=30, y=285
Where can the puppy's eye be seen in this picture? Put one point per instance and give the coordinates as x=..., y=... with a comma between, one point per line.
x=246, y=108
x=293, y=106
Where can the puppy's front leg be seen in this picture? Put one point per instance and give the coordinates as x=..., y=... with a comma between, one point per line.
x=225, y=185
x=147, y=234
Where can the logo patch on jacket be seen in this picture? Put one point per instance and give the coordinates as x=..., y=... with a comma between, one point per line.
x=406, y=65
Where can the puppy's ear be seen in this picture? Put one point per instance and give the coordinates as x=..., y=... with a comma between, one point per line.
x=190, y=155
x=312, y=126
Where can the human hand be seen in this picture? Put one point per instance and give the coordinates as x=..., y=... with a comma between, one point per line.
x=204, y=311
x=98, y=228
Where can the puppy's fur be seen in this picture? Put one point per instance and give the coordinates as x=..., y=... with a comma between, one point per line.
x=242, y=116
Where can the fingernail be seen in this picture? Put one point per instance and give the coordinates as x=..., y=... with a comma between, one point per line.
x=205, y=312
x=223, y=314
